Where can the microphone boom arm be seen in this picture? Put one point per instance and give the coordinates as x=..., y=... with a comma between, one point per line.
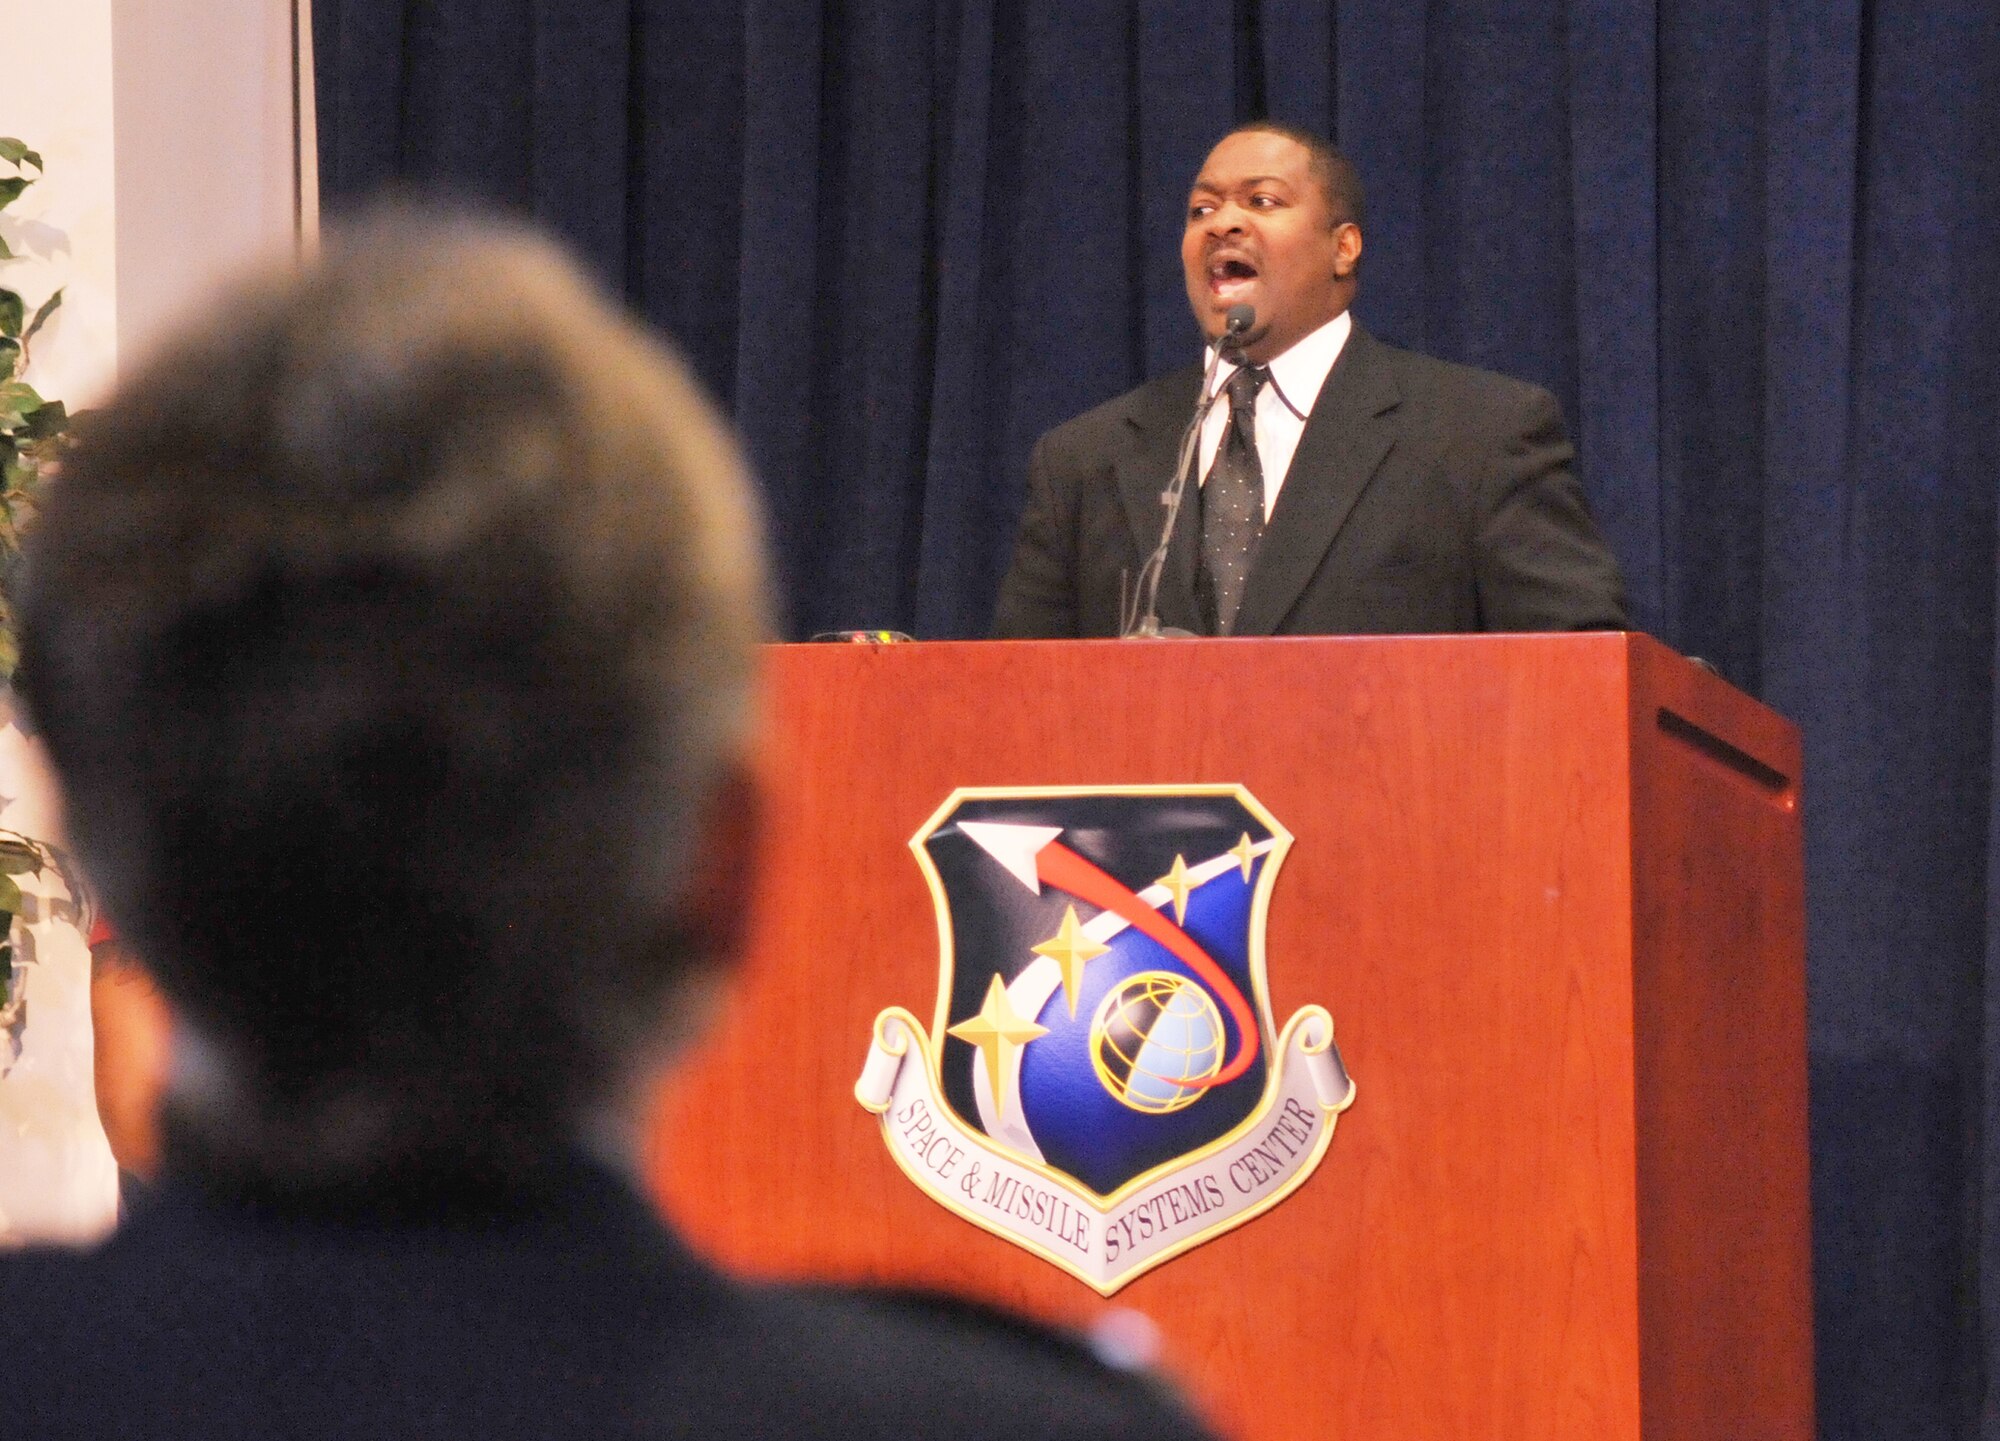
x=1133, y=624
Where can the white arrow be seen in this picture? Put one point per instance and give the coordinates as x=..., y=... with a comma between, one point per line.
x=1015, y=847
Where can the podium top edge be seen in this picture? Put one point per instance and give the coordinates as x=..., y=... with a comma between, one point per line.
x=1592, y=638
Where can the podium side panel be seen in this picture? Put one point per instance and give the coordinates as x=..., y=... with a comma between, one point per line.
x=1719, y=976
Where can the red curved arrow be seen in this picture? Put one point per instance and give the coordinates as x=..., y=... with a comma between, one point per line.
x=1059, y=866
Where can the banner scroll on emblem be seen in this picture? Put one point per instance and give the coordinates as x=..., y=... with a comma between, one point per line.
x=1102, y=1083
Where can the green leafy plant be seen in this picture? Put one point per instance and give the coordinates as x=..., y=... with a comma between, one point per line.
x=19, y=856
x=31, y=427
x=31, y=435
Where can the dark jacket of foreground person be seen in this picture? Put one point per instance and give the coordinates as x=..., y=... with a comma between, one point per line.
x=572, y=1313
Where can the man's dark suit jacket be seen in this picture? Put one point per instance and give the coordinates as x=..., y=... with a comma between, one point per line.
x=574, y=1316
x=1424, y=497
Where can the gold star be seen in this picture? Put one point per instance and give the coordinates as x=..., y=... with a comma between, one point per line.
x=1177, y=884
x=1243, y=851
x=1069, y=948
x=996, y=1029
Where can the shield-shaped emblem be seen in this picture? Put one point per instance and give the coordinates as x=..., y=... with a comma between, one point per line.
x=1102, y=1082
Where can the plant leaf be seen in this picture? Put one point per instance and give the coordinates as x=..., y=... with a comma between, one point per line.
x=6, y=251
x=11, y=188
x=11, y=313
x=10, y=896
x=10, y=357
x=14, y=150
x=47, y=420
x=19, y=398
x=18, y=858
x=48, y=308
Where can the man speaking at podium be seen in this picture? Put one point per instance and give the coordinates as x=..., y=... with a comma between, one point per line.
x=1345, y=486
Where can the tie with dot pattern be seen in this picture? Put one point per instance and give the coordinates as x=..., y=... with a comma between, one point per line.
x=1232, y=507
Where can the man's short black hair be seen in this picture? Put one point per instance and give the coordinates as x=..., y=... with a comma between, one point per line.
x=390, y=634
x=1339, y=181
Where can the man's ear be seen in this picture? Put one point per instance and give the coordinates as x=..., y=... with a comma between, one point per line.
x=1347, y=250
x=715, y=915
x=706, y=935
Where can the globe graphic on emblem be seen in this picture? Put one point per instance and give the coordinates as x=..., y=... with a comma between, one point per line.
x=1154, y=1039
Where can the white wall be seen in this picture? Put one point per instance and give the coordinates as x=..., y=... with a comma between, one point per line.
x=57, y=1179
x=55, y=94
x=206, y=161
x=168, y=129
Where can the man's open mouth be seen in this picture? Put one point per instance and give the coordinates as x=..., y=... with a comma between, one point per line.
x=1230, y=273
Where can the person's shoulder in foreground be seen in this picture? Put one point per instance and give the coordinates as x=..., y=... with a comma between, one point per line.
x=577, y=1314
x=394, y=642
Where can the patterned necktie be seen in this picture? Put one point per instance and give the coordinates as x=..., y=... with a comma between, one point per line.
x=1232, y=507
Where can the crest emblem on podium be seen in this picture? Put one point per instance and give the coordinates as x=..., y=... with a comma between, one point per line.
x=1102, y=1082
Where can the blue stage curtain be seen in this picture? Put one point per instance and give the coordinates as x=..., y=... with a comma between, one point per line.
x=1752, y=248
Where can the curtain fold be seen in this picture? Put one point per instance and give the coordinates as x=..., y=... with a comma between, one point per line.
x=1750, y=248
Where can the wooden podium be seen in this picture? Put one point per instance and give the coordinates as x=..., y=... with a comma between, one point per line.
x=1550, y=889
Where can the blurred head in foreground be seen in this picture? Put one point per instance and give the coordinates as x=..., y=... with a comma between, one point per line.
x=392, y=636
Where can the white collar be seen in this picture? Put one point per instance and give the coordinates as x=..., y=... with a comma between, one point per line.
x=1300, y=371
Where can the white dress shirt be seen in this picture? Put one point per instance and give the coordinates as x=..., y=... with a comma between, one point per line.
x=1282, y=405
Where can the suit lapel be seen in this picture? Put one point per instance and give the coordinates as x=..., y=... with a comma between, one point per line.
x=1350, y=432
x=1147, y=469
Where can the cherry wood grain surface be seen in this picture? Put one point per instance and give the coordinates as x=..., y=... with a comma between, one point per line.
x=1720, y=1042
x=1469, y=1261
